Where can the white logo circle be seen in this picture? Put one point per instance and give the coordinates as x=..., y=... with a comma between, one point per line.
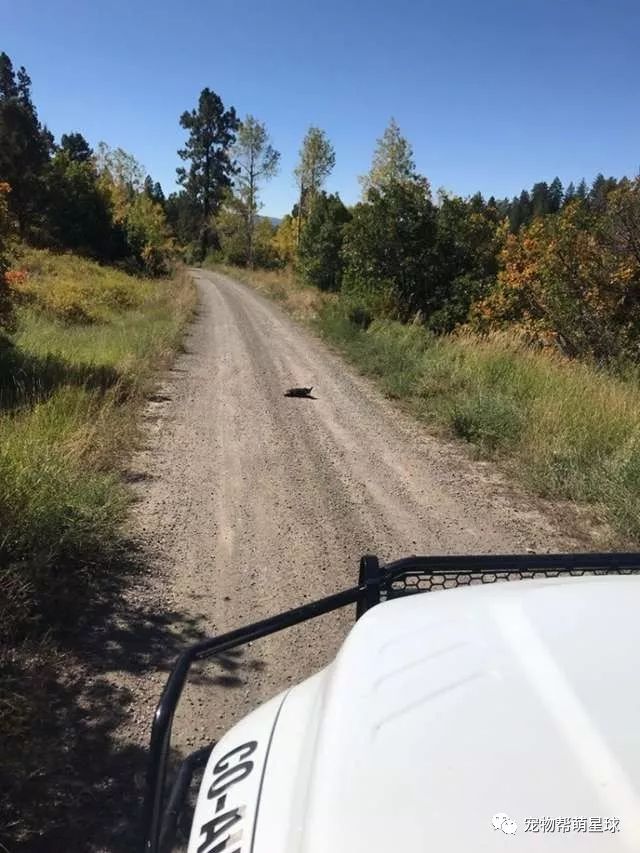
x=502, y=821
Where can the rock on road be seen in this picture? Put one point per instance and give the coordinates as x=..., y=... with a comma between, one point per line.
x=253, y=502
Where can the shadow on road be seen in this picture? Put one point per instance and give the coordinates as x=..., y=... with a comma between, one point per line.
x=69, y=780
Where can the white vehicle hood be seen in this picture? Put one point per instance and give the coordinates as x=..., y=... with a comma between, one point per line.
x=516, y=700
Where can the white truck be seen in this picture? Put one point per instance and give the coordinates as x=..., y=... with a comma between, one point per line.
x=482, y=716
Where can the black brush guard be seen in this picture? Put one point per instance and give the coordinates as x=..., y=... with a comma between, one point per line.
x=376, y=583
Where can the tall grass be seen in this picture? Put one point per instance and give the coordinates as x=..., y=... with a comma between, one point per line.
x=302, y=301
x=567, y=429
x=72, y=377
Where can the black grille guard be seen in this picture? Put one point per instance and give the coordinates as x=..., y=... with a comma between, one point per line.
x=376, y=583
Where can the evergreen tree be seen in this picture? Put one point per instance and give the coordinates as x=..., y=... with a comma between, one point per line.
x=556, y=195
x=25, y=147
x=477, y=203
x=158, y=194
x=581, y=191
x=570, y=193
x=212, y=130
x=76, y=147
x=540, y=201
x=600, y=189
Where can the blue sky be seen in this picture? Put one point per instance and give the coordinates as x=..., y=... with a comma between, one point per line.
x=493, y=94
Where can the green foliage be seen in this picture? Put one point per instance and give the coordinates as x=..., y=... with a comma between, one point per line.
x=392, y=162
x=233, y=237
x=390, y=246
x=256, y=160
x=212, y=132
x=139, y=219
x=79, y=209
x=467, y=244
x=25, y=148
x=319, y=253
x=184, y=218
x=316, y=161
x=76, y=147
x=67, y=197
x=68, y=397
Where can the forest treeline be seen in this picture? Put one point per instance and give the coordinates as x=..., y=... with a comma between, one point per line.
x=558, y=265
x=561, y=265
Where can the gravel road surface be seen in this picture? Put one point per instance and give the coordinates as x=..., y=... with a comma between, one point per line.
x=251, y=502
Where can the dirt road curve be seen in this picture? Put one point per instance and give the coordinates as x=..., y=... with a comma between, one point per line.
x=254, y=502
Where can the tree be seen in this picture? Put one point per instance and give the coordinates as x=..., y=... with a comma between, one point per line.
x=570, y=193
x=139, y=221
x=317, y=159
x=581, y=191
x=148, y=235
x=600, y=189
x=153, y=190
x=520, y=211
x=79, y=208
x=540, y=199
x=556, y=195
x=76, y=147
x=184, y=218
x=212, y=130
x=573, y=280
x=392, y=161
x=285, y=239
x=390, y=249
x=231, y=227
x=256, y=160
x=24, y=150
x=467, y=243
x=319, y=252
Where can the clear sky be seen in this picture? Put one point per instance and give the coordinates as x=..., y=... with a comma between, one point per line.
x=493, y=94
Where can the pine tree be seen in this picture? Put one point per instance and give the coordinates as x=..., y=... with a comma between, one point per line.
x=556, y=194
x=581, y=191
x=76, y=147
x=212, y=130
x=540, y=199
x=25, y=147
x=570, y=193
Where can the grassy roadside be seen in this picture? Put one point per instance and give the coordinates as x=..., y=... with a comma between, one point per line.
x=564, y=429
x=74, y=375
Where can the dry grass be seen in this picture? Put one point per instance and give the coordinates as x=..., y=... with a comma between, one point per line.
x=303, y=302
x=566, y=429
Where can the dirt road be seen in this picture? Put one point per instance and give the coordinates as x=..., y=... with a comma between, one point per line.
x=252, y=502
